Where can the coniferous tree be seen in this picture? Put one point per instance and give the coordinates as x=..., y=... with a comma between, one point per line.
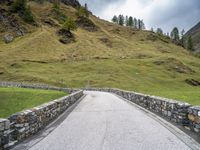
x=127, y=21
x=190, y=44
x=175, y=34
x=142, y=25
x=86, y=6
x=135, y=23
x=182, y=37
x=139, y=24
x=130, y=21
x=121, y=20
x=159, y=31
x=115, y=19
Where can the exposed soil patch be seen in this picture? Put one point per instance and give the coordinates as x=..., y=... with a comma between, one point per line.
x=151, y=37
x=143, y=56
x=35, y=61
x=86, y=24
x=192, y=82
x=50, y=22
x=99, y=57
x=106, y=41
x=162, y=49
x=116, y=31
x=66, y=36
x=173, y=64
x=15, y=65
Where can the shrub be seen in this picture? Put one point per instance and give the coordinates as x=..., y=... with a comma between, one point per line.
x=20, y=6
x=69, y=24
x=82, y=12
x=28, y=16
x=59, y=14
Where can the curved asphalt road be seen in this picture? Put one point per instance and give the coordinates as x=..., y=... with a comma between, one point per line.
x=103, y=121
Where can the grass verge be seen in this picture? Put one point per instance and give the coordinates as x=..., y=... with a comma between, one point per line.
x=13, y=100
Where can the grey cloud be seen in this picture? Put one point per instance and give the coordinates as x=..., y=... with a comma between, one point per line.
x=180, y=13
x=98, y=5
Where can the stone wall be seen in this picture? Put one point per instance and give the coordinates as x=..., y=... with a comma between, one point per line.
x=182, y=113
x=36, y=86
x=26, y=123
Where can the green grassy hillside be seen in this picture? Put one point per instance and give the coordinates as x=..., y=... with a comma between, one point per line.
x=112, y=56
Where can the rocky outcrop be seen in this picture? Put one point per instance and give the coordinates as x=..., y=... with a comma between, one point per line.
x=73, y=3
x=10, y=26
x=66, y=36
x=86, y=24
x=8, y=38
x=192, y=82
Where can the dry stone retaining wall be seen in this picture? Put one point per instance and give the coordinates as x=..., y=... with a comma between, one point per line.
x=36, y=86
x=26, y=123
x=182, y=113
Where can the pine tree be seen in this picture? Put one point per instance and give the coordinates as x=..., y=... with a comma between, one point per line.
x=115, y=19
x=86, y=6
x=127, y=21
x=135, y=23
x=159, y=31
x=130, y=21
x=175, y=34
x=139, y=24
x=142, y=25
x=182, y=37
x=121, y=20
x=190, y=44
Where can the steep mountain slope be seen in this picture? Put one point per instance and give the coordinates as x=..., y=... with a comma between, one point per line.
x=195, y=35
x=110, y=56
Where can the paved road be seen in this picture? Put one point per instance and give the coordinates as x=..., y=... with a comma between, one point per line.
x=103, y=121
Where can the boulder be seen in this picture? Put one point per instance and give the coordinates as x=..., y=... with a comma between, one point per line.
x=8, y=38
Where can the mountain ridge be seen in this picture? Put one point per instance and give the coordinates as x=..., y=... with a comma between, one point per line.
x=194, y=32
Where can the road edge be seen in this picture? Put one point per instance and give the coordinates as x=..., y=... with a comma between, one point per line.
x=189, y=141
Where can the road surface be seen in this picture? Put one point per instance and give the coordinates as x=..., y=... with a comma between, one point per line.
x=103, y=121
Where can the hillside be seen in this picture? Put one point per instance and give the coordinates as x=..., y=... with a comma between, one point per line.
x=109, y=56
x=195, y=35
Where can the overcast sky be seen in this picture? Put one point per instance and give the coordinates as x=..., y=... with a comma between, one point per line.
x=156, y=13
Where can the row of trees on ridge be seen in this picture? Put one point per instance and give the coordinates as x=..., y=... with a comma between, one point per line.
x=128, y=21
x=176, y=36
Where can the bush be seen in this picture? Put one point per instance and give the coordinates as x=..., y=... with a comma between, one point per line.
x=20, y=6
x=82, y=12
x=28, y=16
x=59, y=14
x=69, y=25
